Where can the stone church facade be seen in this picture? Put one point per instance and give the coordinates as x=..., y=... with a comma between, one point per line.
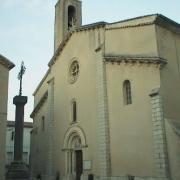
x=5, y=67
x=108, y=106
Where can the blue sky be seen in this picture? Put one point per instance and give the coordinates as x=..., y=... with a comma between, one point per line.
x=26, y=33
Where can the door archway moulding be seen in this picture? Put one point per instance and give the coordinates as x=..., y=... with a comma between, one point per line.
x=71, y=133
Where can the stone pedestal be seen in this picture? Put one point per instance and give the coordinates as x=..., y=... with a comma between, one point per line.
x=18, y=170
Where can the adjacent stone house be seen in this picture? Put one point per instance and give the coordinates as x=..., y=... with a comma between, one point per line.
x=5, y=67
x=10, y=135
x=108, y=106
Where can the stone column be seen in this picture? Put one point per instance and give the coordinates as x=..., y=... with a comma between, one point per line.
x=159, y=136
x=18, y=169
x=19, y=101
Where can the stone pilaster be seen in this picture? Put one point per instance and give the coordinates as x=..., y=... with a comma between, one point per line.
x=103, y=121
x=159, y=136
x=50, y=129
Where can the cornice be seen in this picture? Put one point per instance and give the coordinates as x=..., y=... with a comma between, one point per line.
x=158, y=19
x=167, y=23
x=39, y=105
x=134, y=59
x=6, y=62
x=130, y=26
x=154, y=92
x=91, y=26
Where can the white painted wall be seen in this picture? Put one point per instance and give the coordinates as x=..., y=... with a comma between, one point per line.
x=10, y=143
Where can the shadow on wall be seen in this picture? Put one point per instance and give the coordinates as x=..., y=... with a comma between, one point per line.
x=39, y=177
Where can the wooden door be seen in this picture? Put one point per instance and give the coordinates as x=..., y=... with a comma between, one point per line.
x=79, y=164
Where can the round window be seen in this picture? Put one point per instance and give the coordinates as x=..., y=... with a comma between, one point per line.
x=74, y=71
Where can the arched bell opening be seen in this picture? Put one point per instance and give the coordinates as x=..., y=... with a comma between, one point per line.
x=71, y=16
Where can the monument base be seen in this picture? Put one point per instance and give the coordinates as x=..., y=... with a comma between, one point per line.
x=18, y=171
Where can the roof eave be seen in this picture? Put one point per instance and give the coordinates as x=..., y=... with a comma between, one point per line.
x=68, y=36
x=167, y=23
x=6, y=62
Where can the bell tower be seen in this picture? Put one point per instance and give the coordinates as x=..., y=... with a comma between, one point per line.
x=68, y=15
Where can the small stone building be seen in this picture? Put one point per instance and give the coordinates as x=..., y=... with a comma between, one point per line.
x=5, y=67
x=108, y=106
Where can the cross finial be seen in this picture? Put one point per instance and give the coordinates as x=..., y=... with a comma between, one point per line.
x=20, y=75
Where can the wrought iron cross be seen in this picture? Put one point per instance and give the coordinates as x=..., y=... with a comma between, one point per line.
x=20, y=75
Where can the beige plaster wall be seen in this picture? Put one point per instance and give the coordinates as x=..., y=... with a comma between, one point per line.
x=41, y=90
x=169, y=49
x=173, y=140
x=39, y=137
x=39, y=144
x=81, y=46
x=131, y=125
x=131, y=138
x=134, y=41
x=132, y=147
x=4, y=75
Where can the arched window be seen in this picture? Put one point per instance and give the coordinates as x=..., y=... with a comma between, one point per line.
x=127, y=92
x=12, y=135
x=43, y=123
x=74, y=111
x=71, y=16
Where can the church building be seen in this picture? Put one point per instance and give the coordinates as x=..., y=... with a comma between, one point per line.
x=109, y=105
x=5, y=67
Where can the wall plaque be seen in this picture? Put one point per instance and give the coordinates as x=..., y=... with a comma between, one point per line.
x=87, y=165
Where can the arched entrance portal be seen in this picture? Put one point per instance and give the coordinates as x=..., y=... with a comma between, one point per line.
x=74, y=142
